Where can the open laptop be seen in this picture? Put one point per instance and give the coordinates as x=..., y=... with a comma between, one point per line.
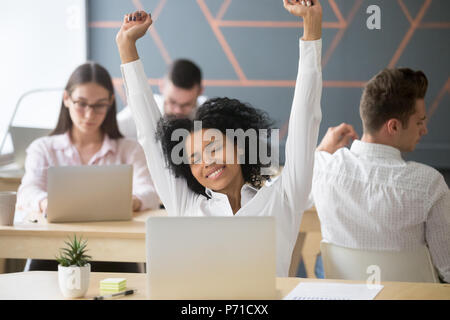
x=21, y=139
x=89, y=193
x=211, y=257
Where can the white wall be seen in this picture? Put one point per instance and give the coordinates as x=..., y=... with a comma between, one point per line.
x=42, y=42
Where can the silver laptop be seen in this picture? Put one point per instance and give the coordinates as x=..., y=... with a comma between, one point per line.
x=89, y=193
x=210, y=257
x=21, y=139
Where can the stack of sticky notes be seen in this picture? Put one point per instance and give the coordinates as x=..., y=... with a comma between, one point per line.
x=113, y=285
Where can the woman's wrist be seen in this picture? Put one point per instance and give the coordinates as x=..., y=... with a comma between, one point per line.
x=127, y=49
x=312, y=26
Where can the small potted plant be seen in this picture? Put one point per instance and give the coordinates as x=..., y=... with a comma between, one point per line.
x=74, y=268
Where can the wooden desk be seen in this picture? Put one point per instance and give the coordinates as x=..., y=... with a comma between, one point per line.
x=10, y=177
x=44, y=285
x=9, y=183
x=122, y=241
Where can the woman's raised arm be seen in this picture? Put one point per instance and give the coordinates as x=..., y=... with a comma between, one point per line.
x=305, y=115
x=173, y=192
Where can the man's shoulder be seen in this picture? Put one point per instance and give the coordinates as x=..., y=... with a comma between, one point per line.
x=432, y=182
x=323, y=158
x=423, y=171
x=201, y=100
x=343, y=160
x=124, y=114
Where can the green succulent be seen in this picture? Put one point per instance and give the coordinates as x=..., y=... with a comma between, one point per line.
x=74, y=254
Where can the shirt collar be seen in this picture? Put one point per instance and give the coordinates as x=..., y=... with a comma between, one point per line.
x=212, y=194
x=247, y=193
x=375, y=150
x=109, y=145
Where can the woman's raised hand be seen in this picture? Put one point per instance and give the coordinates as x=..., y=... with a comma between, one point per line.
x=311, y=12
x=301, y=8
x=134, y=26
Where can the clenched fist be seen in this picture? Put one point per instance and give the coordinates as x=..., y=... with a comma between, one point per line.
x=134, y=26
x=311, y=12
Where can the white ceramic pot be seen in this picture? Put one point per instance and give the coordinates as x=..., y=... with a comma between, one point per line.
x=73, y=280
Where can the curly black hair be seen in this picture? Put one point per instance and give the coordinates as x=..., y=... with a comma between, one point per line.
x=221, y=114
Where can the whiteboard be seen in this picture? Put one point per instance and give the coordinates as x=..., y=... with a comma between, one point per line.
x=42, y=43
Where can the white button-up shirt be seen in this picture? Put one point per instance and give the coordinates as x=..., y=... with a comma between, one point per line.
x=368, y=197
x=286, y=198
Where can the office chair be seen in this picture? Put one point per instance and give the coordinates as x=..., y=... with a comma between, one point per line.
x=354, y=264
x=37, y=108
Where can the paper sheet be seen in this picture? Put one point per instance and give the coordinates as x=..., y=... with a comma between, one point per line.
x=333, y=291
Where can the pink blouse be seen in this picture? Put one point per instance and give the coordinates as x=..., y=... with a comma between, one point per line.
x=58, y=150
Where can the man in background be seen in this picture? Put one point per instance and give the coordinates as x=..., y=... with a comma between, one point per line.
x=367, y=197
x=181, y=93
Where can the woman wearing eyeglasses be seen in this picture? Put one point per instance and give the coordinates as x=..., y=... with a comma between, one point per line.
x=86, y=134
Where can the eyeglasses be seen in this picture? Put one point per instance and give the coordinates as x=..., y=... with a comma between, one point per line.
x=98, y=108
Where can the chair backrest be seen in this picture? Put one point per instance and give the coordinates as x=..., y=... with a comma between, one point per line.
x=37, y=108
x=354, y=264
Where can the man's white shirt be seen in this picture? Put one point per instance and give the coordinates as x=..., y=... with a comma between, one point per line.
x=125, y=119
x=368, y=197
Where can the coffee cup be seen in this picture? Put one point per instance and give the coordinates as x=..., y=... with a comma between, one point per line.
x=7, y=207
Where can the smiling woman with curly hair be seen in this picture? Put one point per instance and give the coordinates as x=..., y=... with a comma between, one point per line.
x=198, y=171
x=222, y=114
